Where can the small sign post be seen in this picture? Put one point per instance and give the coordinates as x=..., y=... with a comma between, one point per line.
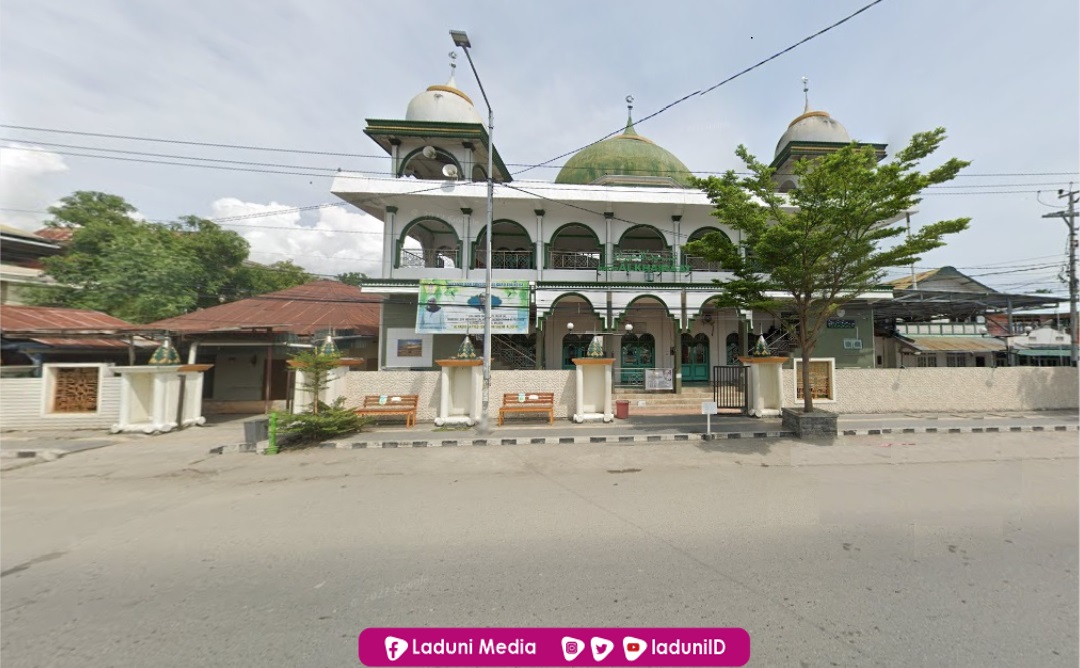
x=708, y=409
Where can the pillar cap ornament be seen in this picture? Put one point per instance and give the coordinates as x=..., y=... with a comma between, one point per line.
x=328, y=347
x=466, y=351
x=596, y=347
x=165, y=355
x=761, y=349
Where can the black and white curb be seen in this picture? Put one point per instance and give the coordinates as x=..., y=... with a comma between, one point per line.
x=535, y=440
x=1002, y=429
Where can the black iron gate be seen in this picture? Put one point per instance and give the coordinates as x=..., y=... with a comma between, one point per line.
x=730, y=388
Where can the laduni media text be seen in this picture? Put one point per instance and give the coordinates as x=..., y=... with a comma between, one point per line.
x=706, y=647
x=485, y=647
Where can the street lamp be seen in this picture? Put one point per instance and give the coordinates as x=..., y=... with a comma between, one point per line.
x=462, y=40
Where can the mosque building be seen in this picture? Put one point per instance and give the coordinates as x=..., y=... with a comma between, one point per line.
x=601, y=250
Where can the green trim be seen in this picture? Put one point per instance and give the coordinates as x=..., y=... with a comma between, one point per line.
x=625, y=235
x=475, y=243
x=391, y=209
x=555, y=235
x=379, y=127
x=416, y=221
x=438, y=152
x=619, y=318
x=820, y=148
x=551, y=309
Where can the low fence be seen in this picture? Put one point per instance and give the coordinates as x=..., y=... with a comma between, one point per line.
x=946, y=389
x=425, y=384
x=23, y=405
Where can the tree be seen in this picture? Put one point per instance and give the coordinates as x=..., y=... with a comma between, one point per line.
x=832, y=240
x=143, y=271
x=352, y=278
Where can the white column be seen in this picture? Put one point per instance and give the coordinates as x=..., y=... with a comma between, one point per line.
x=467, y=241
x=609, y=245
x=539, y=261
x=444, y=396
x=676, y=246
x=389, y=238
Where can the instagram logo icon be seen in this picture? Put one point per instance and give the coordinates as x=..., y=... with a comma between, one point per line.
x=571, y=647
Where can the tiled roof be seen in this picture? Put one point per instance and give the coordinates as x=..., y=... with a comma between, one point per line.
x=56, y=233
x=302, y=310
x=32, y=322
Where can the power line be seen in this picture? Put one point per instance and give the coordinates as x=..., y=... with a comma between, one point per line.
x=714, y=86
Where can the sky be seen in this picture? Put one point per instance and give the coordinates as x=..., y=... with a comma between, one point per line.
x=1001, y=76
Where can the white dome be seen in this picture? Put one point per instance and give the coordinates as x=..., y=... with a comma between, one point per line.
x=814, y=126
x=443, y=104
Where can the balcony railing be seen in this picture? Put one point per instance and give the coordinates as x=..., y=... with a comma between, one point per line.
x=575, y=260
x=442, y=258
x=701, y=264
x=504, y=259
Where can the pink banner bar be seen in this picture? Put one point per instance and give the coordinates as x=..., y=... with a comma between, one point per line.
x=437, y=647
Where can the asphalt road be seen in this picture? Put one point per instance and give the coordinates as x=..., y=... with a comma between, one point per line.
x=956, y=550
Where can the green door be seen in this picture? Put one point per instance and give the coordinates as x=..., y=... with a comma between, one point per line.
x=637, y=354
x=573, y=345
x=695, y=358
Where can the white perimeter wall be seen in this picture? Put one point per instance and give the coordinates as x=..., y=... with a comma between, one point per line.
x=359, y=384
x=22, y=406
x=947, y=389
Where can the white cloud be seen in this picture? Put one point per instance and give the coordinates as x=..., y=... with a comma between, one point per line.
x=337, y=241
x=25, y=184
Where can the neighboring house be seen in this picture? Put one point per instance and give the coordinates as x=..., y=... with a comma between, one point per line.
x=56, y=366
x=37, y=335
x=944, y=318
x=1043, y=346
x=601, y=248
x=249, y=341
x=20, y=261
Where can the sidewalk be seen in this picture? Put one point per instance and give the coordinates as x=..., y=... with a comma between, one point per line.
x=226, y=433
x=658, y=429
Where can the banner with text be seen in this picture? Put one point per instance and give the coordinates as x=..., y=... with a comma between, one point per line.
x=457, y=307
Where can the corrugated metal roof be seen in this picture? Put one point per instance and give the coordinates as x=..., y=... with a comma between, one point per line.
x=302, y=310
x=34, y=320
x=953, y=344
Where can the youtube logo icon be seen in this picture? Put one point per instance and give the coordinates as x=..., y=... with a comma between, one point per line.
x=633, y=647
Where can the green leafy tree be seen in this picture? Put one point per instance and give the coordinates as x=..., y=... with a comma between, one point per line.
x=143, y=271
x=321, y=420
x=352, y=278
x=832, y=240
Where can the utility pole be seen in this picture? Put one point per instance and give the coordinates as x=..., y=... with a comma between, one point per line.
x=1070, y=219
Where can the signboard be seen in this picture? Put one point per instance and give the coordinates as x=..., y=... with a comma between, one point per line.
x=840, y=323
x=457, y=307
x=659, y=379
x=708, y=408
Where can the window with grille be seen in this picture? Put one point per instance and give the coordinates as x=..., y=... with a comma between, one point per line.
x=74, y=389
x=956, y=359
x=927, y=360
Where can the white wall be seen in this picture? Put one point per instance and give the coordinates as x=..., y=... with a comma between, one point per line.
x=22, y=406
x=947, y=389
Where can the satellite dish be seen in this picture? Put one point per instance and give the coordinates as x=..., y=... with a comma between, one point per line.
x=429, y=152
x=450, y=171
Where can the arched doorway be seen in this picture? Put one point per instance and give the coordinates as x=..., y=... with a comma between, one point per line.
x=637, y=353
x=695, y=358
x=731, y=348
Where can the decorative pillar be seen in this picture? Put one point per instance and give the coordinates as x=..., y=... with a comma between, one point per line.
x=151, y=400
x=539, y=261
x=766, y=380
x=592, y=379
x=466, y=250
x=461, y=384
x=539, y=352
x=677, y=329
x=389, y=242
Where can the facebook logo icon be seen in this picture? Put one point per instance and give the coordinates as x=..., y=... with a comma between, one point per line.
x=395, y=647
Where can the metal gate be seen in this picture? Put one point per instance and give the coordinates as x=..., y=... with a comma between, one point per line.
x=730, y=388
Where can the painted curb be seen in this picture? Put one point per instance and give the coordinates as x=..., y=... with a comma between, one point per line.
x=655, y=438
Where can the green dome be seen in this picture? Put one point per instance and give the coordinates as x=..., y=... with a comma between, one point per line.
x=626, y=159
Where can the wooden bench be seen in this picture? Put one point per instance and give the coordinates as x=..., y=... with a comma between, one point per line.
x=390, y=404
x=529, y=402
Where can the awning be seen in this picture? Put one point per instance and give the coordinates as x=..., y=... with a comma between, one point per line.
x=952, y=344
x=1042, y=352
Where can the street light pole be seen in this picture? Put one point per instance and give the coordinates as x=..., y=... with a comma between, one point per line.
x=1070, y=220
x=462, y=40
